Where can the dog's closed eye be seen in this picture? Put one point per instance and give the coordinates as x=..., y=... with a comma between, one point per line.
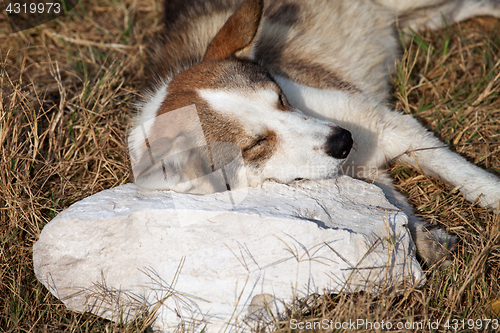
x=258, y=142
x=282, y=102
x=260, y=147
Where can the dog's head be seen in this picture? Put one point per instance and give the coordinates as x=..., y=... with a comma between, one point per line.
x=227, y=110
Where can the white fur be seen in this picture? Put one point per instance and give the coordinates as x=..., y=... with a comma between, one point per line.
x=144, y=120
x=300, y=138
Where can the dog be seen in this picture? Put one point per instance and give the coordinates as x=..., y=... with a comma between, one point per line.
x=294, y=90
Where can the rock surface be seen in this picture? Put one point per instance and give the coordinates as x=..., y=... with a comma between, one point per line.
x=195, y=260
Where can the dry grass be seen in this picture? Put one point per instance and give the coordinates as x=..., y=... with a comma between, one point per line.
x=66, y=91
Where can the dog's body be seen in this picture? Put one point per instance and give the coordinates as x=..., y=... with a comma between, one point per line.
x=332, y=61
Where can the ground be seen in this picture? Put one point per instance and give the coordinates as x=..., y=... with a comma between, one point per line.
x=67, y=89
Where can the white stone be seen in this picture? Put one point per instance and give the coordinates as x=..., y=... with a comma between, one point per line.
x=204, y=257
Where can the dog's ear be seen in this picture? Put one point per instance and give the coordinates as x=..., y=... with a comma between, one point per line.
x=238, y=34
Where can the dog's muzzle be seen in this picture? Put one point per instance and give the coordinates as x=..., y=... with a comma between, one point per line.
x=339, y=143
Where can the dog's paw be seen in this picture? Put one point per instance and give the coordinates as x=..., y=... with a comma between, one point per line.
x=483, y=189
x=434, y=244
x=490, y=201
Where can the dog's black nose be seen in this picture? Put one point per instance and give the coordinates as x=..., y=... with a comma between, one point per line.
x=339, y=143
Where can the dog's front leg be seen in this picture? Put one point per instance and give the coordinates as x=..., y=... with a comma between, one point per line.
x=401, y=136
x=381, y=135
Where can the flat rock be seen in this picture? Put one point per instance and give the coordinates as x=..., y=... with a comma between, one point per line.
x=196, y=260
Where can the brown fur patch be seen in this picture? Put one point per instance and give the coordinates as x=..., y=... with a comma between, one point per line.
x=238, y=32
x=261, y=148
x=314, y=75
x=300, y=70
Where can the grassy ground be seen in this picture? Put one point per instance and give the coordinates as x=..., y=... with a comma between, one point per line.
x=66, y=91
